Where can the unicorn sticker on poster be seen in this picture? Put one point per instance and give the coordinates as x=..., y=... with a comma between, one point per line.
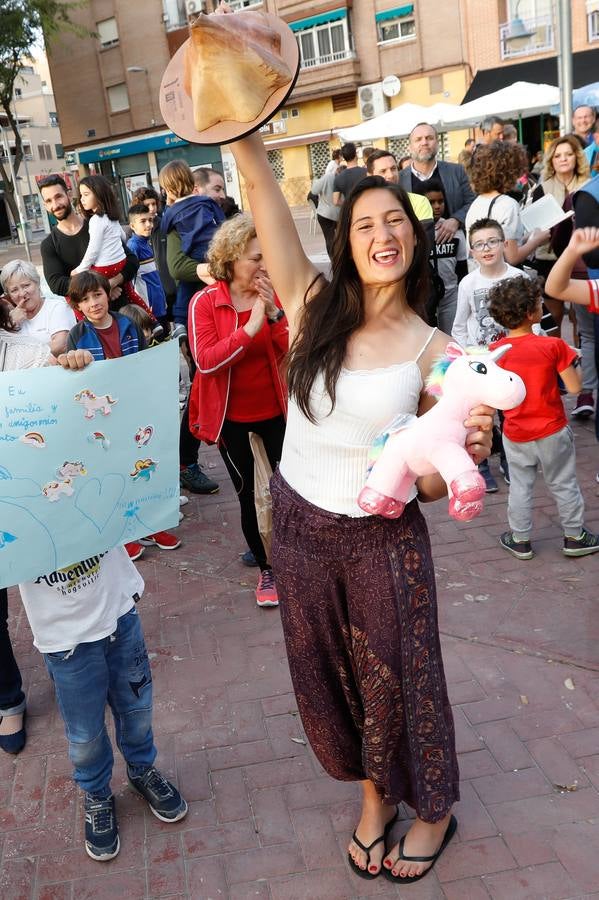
x=93, y=404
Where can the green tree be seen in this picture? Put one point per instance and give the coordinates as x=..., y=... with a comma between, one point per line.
x=22, y=25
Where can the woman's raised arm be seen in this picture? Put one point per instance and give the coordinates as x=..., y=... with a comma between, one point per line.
x=290, y=270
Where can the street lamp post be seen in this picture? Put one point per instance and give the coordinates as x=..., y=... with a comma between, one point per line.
x=22, y=220
x=147, y=74
x=564, y=21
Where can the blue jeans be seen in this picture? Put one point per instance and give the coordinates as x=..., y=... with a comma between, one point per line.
x=12, y=698
x=114, y=670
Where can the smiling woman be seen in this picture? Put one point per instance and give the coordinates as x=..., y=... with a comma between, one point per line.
x=357, y=591
x=238, y=338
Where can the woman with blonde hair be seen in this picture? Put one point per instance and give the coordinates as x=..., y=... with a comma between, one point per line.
x=238, y=337
x=566, y=169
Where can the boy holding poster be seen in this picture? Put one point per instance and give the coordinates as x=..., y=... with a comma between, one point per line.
x=108, y=335
x=85, y=623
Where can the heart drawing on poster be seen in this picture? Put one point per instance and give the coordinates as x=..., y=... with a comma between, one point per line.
x=97, y=500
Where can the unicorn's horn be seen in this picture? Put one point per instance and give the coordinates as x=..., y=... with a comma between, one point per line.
x=499, y=352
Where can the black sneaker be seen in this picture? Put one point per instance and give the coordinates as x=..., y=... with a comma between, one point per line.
x=490, y=483
x=519, y=549
x=164, y=799
x=584, y=545
x=196, y=480
x=101, y=828
x=505, y=470
x=248, y=559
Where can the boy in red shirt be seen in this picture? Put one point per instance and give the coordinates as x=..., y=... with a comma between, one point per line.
x=536, y=433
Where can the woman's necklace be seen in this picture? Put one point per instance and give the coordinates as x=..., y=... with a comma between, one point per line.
x=566, y=184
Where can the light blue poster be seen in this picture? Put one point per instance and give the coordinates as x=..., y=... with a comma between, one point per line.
x=88, y=459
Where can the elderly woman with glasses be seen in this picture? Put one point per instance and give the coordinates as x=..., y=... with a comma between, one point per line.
x=44, y=319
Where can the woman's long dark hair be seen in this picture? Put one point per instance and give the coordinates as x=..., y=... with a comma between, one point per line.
x=337, y=309
x=103, y=191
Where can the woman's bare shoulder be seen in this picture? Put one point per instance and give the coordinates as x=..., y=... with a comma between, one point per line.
x=434, y=349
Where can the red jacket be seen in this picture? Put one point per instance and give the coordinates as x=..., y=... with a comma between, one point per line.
x=217, y=343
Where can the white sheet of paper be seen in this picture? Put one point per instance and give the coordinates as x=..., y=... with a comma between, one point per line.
x=544, y=213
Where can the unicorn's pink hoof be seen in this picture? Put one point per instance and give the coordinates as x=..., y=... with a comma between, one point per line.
x=378, y=504
x=468, y=486
x=464, y=511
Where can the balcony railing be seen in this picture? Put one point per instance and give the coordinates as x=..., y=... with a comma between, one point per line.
x=328, y=58
x=522, y=37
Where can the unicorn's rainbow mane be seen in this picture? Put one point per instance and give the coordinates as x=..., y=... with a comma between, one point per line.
x=436, y=377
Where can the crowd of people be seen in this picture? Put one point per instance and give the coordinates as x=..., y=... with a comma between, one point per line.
x=313, y=368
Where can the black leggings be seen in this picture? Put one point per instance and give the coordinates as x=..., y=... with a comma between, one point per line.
x=11, y=695
x=235, y=449
x=189, y=445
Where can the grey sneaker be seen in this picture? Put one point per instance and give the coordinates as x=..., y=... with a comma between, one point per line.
x=519, y=549
x=164, y=799
x=586, y=544
x=101, y=828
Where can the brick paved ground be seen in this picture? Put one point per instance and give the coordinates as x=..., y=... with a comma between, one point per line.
x=521, y=645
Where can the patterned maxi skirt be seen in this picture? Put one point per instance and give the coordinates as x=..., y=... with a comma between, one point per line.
x=359, y=611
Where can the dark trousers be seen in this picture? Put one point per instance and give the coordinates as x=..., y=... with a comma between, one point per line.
x=359, y=613
x=237, y=455
x=189, y=444
x=328, y=229
x=12, y=698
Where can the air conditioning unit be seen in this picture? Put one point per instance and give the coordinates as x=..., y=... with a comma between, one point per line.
x=371, y=100
x=193, y=7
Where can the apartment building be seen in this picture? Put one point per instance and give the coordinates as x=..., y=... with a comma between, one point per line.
x=358, y=59
x=34, y=107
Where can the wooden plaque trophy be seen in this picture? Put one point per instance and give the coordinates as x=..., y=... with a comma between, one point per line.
x=230, y=77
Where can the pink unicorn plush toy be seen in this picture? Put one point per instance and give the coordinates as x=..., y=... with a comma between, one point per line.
x=435, y=442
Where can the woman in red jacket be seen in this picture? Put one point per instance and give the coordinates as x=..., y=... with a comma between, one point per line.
x=239, y=336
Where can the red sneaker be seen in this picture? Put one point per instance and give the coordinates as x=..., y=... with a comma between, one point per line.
x=134, y=550
x=163, y=539
x=266, y=592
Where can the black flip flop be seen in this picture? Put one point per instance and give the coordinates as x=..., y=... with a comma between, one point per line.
x=396, y=879
x=364, y=873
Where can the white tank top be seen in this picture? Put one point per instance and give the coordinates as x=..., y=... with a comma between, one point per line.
x=326, y=462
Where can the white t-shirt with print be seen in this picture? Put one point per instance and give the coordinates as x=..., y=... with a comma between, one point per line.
x=55, y=315
x=473, y=326
x=81, y=602
x=505, y=211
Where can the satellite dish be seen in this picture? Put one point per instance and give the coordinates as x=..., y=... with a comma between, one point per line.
x=391, y=86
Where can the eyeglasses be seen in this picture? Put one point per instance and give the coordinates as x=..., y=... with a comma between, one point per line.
x=486, y=245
